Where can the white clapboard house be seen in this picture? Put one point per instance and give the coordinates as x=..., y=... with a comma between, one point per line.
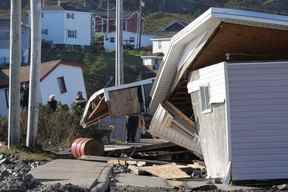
x=58, y=77
x=66, y=27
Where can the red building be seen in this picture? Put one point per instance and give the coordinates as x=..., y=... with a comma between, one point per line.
x=129, y=24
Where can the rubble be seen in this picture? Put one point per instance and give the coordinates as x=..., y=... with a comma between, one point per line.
x=15, y=177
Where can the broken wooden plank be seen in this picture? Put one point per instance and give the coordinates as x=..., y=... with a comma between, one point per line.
x=106, y=159
x=168, y=171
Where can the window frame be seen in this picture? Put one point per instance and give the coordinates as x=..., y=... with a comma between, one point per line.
x=62, y=85
x=205, y=99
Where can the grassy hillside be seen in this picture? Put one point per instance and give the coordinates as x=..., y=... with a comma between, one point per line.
x=154, y=22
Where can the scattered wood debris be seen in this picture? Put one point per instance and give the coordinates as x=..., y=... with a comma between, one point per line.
x=169, y=171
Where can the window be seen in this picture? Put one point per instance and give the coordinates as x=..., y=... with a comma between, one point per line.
x=70, y=15
x=112, y=40
x=42, y=15
x=132, y=39
x=205, y=99
x=62, y=85
x=125, y=23
x=72, y=34
x=44, y=31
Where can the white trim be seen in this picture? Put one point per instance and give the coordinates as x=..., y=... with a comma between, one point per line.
x=161, y=39
x=228, y=124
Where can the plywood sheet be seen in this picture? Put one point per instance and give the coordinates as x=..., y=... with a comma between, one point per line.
x=169, y=171
x=124, y=102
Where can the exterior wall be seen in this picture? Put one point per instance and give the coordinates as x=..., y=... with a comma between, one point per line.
x=3, y=102
x=4, y=56
x=57, y=24
x=211, y=124
x=110, y=46
x=5, y=41
x=129, y=22
x=152, y=61
x=258, y=120
x=82, y=24
x=53, y=21
x=74, y=81
x=160, y=46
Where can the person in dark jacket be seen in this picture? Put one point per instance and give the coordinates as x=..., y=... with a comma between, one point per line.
x=132, y=126
x=24, y=96
x=52, y=103
x=80, y=100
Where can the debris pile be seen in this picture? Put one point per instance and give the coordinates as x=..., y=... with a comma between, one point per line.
x=14, y=176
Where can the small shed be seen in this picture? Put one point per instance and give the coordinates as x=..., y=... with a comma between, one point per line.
x=242, y=116
x=227, y=71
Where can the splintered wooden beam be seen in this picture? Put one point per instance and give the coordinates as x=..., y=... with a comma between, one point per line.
x=180, y=113
x=94, y=121
x=96, y=108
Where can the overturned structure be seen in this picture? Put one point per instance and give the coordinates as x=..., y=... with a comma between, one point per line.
x=126, y=99
x=217, y=74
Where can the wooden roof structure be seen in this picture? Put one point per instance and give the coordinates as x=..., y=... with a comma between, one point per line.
x=217, y=35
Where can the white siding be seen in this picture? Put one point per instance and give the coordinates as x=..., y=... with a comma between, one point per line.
x=214, y=76
x=57, y=24
x=82, y=24
x=53, y=21
x=259, y=120
x=110, y=46
x=161, y=46
x=4, y=56
x=212, y=125
x=74, y=82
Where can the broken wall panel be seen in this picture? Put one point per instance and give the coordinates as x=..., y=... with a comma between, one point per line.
x=165, y=126
x=123, y=102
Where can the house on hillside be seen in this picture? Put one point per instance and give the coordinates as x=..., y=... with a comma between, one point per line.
x=221, y=87
x=161, y=43
x=130, y=21
x=130, y=40
x=60, y=78
x=5, y=39
x=130, y=30
x=67, y=27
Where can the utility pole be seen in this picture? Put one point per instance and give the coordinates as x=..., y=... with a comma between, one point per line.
x=140, y=24
x=34, y=86
x=14, y=80
x=119, y=67
x=108, y=18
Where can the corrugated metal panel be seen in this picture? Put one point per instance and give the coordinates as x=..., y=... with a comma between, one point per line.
x=259, y=119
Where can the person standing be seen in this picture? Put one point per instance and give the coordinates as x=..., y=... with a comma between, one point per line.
x=52, y=103
x=132, y=126
x=24, y=96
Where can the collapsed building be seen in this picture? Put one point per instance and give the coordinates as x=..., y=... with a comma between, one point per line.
x=220, y=92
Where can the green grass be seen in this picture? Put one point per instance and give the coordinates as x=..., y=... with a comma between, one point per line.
x=156, y=21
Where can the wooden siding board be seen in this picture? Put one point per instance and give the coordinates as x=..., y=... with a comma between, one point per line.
x=259, y=119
